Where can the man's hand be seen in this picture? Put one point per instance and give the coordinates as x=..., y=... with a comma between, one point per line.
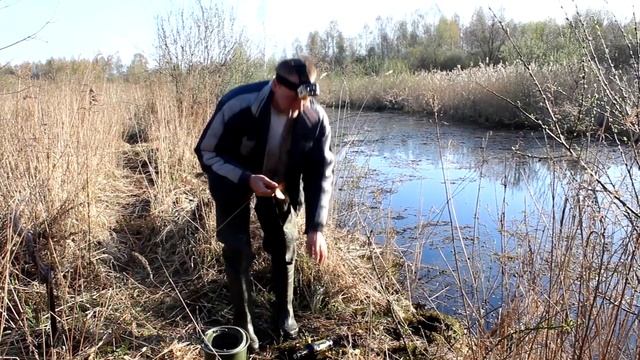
x=317, y=247
x=262, y=185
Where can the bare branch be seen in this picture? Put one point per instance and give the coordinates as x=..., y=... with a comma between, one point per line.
x=557, y=133
x=17, y=91
x=26, y=38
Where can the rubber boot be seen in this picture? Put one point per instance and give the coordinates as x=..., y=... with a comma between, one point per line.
x=237, y=265
x=282, y=277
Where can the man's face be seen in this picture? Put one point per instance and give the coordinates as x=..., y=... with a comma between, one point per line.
x=286, y=101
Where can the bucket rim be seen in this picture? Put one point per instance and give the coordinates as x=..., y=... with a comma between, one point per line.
x=240, y=332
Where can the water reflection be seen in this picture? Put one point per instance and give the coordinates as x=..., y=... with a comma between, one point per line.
x=396, y=174
x=405, y=159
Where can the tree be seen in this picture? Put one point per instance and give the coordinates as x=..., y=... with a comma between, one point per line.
x=401, y=38
x=314, y=45
x=542, y=42
x=447, y=34
x=298, y=49
x=117, y=67
x=205, y=36
x=329, y=42
x=447, y=44
x=104, y=66
x=385, y=41
x=341, y=56
x=484, y=39
x=334, y=50
x=138, y=67
x=196, y=49
x=420, y=30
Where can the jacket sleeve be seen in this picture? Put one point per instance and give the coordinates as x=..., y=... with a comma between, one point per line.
x=317, y=177
x=210, y=160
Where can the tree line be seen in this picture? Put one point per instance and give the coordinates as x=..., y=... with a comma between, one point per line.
x=205, y=39
x=101, y=66
x=417, y=44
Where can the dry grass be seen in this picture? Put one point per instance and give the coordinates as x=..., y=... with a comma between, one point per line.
x=468, y=95
x=106, y=181
x=110, y=188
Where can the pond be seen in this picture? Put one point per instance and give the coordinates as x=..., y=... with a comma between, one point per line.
x=449, y=196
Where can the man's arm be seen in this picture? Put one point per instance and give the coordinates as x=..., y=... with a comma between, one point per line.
x=318, y=187
x=209, y=159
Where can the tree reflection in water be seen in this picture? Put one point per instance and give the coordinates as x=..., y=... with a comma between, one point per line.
x=512, y=196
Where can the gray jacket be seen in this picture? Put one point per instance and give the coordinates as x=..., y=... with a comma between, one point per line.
x=234, y=141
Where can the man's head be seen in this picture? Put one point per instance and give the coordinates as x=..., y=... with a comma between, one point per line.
x=293, y=85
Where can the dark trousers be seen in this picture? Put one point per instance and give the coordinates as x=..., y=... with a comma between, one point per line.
x=277, y=220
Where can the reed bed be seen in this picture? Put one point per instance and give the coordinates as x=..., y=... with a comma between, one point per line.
x=477, y=95
x=101, y=186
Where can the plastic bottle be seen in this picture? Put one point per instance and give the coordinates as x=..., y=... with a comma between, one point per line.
x=313, y=348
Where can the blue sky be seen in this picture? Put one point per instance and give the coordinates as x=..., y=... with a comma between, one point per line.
x=84, y=28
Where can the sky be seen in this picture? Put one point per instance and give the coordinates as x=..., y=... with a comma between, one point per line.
x=85, y=28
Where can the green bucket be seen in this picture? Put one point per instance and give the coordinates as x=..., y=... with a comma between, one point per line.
x=225, y=343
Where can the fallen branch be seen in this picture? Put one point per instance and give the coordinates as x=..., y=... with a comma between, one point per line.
x=45, y=271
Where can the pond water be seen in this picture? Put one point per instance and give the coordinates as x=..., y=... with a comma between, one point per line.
x=396, y=173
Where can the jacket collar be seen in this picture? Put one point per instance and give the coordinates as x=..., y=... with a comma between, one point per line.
x=263, y=99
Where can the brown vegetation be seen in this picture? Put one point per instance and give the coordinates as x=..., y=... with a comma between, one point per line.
x=107, y=224
x=103, y=177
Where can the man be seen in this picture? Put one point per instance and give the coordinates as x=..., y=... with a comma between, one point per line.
x=265, y=138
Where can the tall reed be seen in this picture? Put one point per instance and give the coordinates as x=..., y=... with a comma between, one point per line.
x=101, y=175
